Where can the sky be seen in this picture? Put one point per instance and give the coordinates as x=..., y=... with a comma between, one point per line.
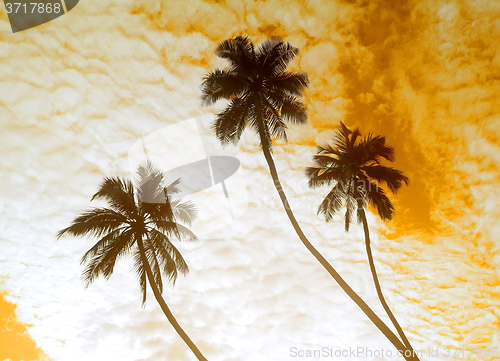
x=78, y=92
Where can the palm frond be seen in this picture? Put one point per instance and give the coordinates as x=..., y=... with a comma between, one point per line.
x=287, y=82
x=141, y=274
x=172, y=265
x=174, y=229
x=119, y=193
x=148, y=183
x=274, y=123
x=239, y=52
x=374, y=148
x=328, y=160
x=153, y=264
x=171, y=260
x=173, y=188
x=392, y=177
x=103, y=262
x=293, y=110
x=185, y=211
x=286, y=106
x=351, y=206
x=321, y=176
x=162, y=211
x=377, y=197
x=253, y=123
x=274, y=55
x=222, y=84
x=102, y=244
x=230, y=123
x=354, y=136
x=327, y=149
x=96, y=223
x=332, y=202
x=153, y=197
x=341, y=138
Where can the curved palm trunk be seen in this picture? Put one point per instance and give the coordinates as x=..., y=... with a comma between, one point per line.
x=375, y=278
x=164, y=306
x=347, y=289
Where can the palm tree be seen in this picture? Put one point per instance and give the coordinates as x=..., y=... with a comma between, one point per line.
x=353, y=166
x=140, y=220
x=263, y=95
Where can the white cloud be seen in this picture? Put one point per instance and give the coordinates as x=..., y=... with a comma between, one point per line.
x=76, y=100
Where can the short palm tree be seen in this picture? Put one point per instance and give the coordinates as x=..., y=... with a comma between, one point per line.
x=263, y=95
x=352, y=165
x=140, y=220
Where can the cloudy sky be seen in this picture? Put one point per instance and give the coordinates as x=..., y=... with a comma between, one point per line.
x=77, y=93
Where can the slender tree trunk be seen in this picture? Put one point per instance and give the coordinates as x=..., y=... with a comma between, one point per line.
x=404, y=351
x=164, y=306
x=375, y=278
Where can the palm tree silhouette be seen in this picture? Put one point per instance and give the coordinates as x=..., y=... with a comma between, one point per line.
x=263, y=95
x=353, y=166
x=140, y=220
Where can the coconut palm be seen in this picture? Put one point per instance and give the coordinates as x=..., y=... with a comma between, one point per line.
x=352, y=165
x=263, y=95
x=141, y=220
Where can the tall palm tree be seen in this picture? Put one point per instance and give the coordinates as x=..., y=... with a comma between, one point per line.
x=263, y=95
x=352, y=165
x=140, y=220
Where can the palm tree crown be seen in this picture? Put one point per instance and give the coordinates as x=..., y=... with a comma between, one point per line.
x=143, y=213
x=258, y=87
x=140, y=219
x=353, y=166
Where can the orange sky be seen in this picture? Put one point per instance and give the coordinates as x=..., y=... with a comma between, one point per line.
x=417, y=72
x=15, y=342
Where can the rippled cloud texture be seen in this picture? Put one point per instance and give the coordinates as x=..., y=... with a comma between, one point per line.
x=77, y=92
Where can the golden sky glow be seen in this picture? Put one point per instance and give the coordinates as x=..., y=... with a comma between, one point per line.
x=425, y=74
x=15, y=341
